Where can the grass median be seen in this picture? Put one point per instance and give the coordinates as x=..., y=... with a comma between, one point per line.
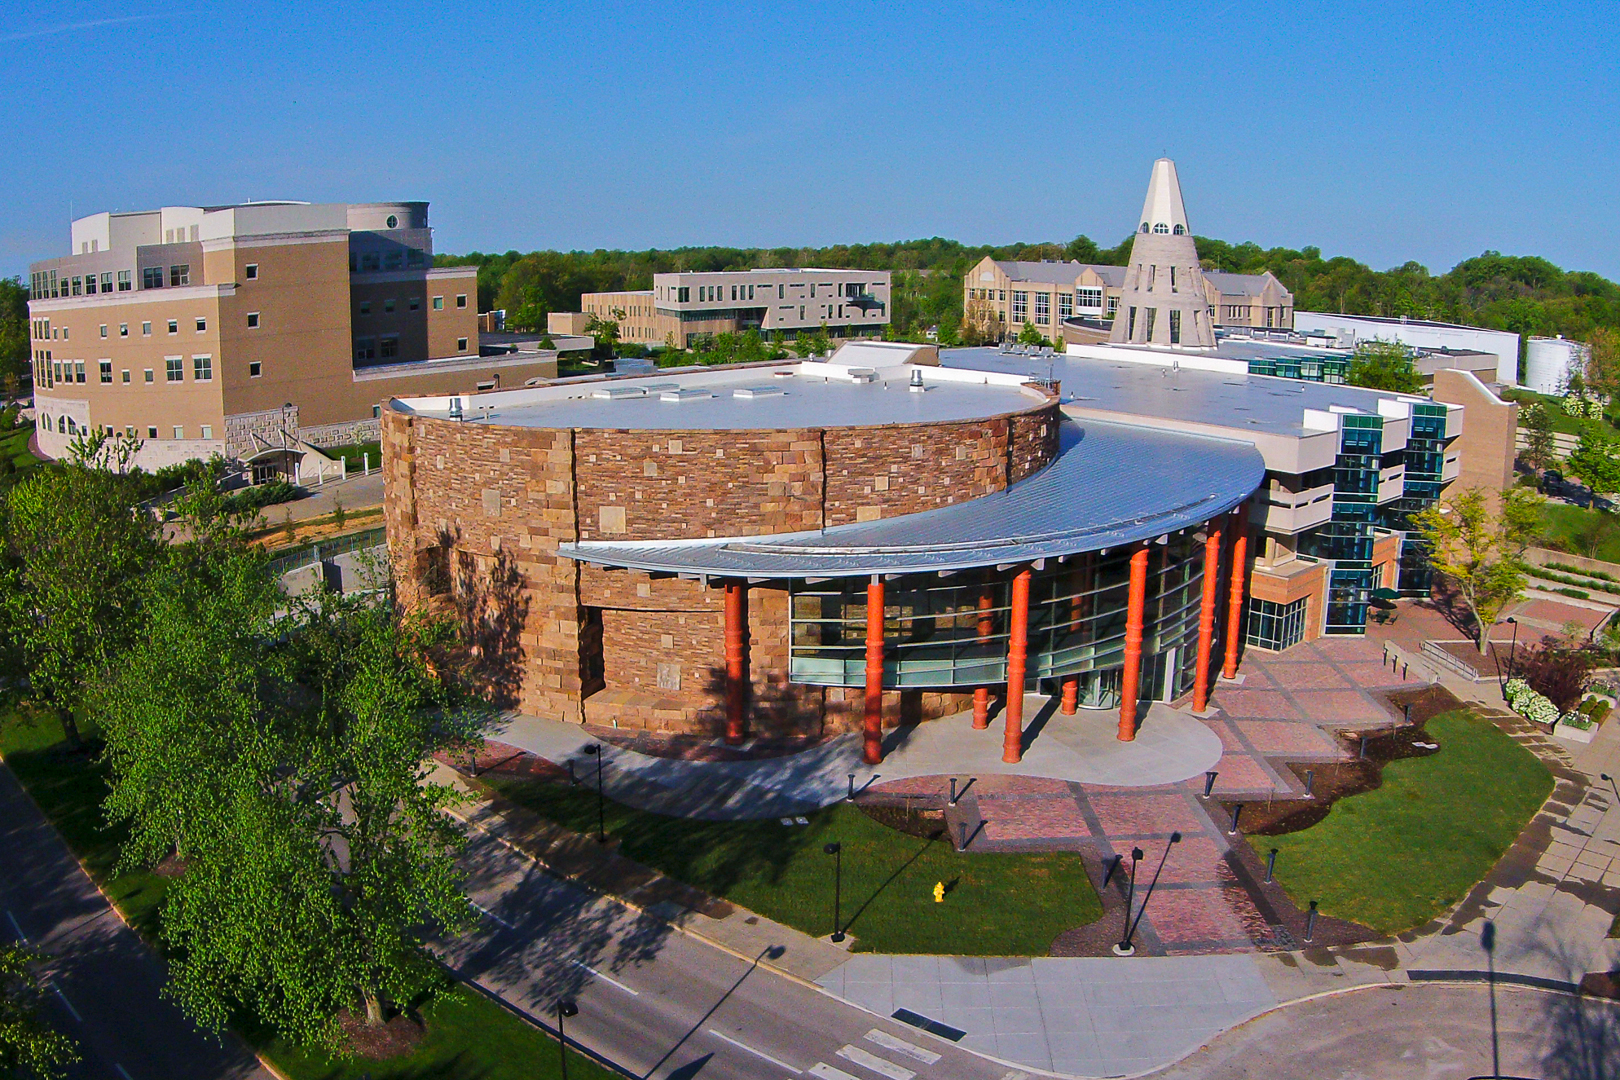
x=1397, y=856
x=467, y=1037
x=996, y=903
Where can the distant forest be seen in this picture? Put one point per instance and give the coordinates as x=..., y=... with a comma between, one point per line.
x=1525, y=294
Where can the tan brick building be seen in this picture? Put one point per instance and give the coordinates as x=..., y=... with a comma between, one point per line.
x=198, y=328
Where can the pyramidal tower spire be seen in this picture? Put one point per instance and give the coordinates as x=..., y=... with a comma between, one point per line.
x=1164, y=300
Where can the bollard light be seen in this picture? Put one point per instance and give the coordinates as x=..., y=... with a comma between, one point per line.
x=1310, y=922
x=1124, y=947
x=1237, y=810
x=851, y=787
x=961, y=834
x=595, y=749
x=1271, y=864
x=953, y=791
x=1363, y=755
x=1209, y=782
x=1310, y=783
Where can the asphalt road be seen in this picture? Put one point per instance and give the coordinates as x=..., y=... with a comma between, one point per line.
x=1417, y=1032
x=102, y=983
x=667, y=1006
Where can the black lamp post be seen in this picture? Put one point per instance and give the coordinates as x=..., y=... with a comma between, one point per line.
x=565, y=1007
x=1487, y=939
x=1612, y=788
x=1130, y=931
x=1513, y=649
x=1124, y=947
x=595, y=749
x=836, y=850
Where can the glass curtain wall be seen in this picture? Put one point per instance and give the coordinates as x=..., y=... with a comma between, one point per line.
x=1425, y=462
x=1347, y=538
x=941, y=633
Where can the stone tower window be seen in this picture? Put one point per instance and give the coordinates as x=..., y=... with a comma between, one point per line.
x=1161, y=228
x=1179, y=230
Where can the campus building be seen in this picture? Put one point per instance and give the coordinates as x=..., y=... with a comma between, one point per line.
x=1421, y=334
x=681, y=309
x=223, y=329
x=1081, y=302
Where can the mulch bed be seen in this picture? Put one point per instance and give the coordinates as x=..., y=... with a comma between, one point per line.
x=396, y=1037
x=923, y=817
x=700, y=747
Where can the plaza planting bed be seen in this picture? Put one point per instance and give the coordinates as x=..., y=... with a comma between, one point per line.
x=465, y=1035
x=1397, y=855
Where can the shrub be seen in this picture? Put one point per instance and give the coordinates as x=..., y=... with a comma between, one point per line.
x=1557, y=672
x=269, y=493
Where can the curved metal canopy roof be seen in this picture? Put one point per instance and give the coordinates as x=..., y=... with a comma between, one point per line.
x=1111, y=484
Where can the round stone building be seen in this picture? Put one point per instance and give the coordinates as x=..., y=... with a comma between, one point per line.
x=805, y=548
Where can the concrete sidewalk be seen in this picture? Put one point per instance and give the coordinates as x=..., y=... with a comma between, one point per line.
x=1170, y=746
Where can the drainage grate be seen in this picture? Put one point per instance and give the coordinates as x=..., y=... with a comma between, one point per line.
x=933, y=1027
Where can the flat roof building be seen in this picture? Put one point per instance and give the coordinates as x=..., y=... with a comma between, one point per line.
x=681, y=309
x=1418, y=333
x=208, y=329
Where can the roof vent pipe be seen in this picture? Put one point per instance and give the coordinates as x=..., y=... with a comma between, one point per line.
x=455, y=409
x=916, y=381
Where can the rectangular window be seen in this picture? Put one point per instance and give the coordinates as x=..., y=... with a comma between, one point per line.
x=174, y=326
x=123, y=281
x=461, y=344
x=106, y=372
x=1276, y=626
x=365, y=307
x=438, y=303
x=415, y=303
x=253, y=320
x=251, y=271
x=365, y=349
x=176, y=368
x=78, y=371
x=180, y=274
x=393, y=260
x=146, y=329
x=255, y=369
x=1065, y=306
x=125, y=376
x=1175, y=327
x=78, y=286
x=103, y=329
x=388, y=306
x=208, y=431
x=123, y=329
x=179, y=431
x=1020, y=306
x=388, y=348
x=1088, y=298
x=106, y=282
x=152, y=277
x=151, y=432
x=1043, y=308
x=149, y=383
x=89, y=284
x=202, y=369
x=461, y=300
x=202, y=325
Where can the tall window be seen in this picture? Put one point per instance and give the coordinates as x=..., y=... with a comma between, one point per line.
x=106, y=372
x=175, y=367
x=1020, y=306
x=1043, y=308
x=1175, y=327
x=123, y=281
x=152, y=277
x=202, y=368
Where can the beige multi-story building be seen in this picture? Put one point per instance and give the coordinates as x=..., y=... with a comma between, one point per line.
x=205, y=330
x=1075, y=301
x=682, y=308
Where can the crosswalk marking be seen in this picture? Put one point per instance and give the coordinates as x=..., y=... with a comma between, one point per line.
x=900, y=1046
x=881, y=1066
x=823, y=1071
x=751, y=1050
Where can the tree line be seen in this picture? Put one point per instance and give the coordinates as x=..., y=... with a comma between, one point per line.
x=271, y=755
x=1524, y=294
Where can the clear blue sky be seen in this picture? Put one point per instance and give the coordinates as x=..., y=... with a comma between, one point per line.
x=1387, y=132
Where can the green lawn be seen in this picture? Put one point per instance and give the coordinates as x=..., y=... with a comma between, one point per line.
x=352, y=454
x=1561, y=421
x=468, y=1037
x=1399, y=855
x=996, y=904
x=1561, y=523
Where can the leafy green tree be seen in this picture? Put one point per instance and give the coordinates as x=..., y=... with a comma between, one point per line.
x=1385, y=365
x=1476, y=543
x=1597, y=461
x=606, y=333
x=317, y=855
x=1538, y=452
x=1030, y=336
x=28, y=1046
x=76, y=552
x=14, y=343
x=817, y=343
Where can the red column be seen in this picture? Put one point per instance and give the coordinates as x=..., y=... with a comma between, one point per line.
x=987, y=626
x=874, y=671
x=1012, y=743
x=1130, y=682
x=1234, y=610
x=736, y=659
x=1206, y=616
x=1071, y=695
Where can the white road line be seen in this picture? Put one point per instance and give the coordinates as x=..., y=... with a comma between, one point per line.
x=822, y=1071
x=492, y=915
x=900, y=1046
x=22, y=937
x=606, y=978
x=68, y=1003
x=756, y=1053
x=881, y=1066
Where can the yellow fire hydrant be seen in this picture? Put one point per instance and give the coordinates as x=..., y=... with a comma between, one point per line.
x=939, y=892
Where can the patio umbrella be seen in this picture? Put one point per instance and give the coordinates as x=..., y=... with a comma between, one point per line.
x=1385, y=597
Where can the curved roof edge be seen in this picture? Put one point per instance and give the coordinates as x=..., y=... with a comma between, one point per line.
x=1090, y=498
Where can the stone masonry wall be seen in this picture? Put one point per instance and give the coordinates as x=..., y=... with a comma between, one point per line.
x=475, y=513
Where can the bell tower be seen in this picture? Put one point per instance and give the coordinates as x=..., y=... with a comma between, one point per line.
x=1164, y=300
